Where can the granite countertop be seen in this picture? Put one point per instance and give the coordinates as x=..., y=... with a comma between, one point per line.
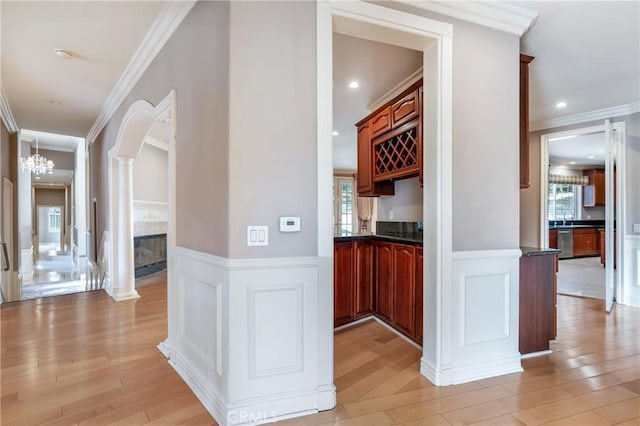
x=532, y=251
x=400, y=237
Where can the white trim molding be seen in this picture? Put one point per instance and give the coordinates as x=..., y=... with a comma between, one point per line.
x=585, y=117
x=7, y=115
x=156, y=143
x=479, y=327
x=496, y=15
x=168, y=20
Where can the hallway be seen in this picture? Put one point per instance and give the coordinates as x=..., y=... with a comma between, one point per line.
x=87, y=359
x=54, y=274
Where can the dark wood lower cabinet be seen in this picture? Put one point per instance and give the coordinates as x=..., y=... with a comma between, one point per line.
x=403, y=285
x=343, y=279
x=419, y=294
x=538, y=290
x=384, y=280
x=364, y=258
x=380, y=278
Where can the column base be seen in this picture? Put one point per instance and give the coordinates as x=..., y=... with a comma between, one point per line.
x=124, y=296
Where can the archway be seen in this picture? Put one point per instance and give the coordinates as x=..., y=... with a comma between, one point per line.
x=137, y=122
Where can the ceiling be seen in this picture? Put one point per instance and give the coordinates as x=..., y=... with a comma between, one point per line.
x=102, y=36
x=575, y=151
x=50, y=141
x=587, y=54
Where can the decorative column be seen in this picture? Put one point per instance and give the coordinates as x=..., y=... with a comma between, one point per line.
x=125, y=265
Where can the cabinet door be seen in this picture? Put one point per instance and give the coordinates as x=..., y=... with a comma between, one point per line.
x=365, y=178
x=419, y=294
x=364, y=277
x=404, y=292
x=384, y=283
x=381, y=123
x=598, y=182
x=405, y=110
x=343, y=288
x=553, y=238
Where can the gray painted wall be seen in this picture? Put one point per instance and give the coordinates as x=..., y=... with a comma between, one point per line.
x=405, y=205
x=272, y=133
x=44, y=233
x=486, y=199
x=150, y=174
x=195, y=62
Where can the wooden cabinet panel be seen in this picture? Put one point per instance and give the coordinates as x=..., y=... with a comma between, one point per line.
x=537, y=302
x=553, y=238
x=594, y=192
x=396, y=153
x=419, y=294
x=364, y=277
x=405, y=110
x=380, y=123
x=343, y=278
x=384, y=280
x=421, y=147
x=585, y=242
x=403, y=289
x=603, y=249
x=525, y=60
x=365, y=177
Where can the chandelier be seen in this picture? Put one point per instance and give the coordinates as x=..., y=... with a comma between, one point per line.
x=37, y=164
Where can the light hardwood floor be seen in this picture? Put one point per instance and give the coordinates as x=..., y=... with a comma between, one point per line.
x=84, y=359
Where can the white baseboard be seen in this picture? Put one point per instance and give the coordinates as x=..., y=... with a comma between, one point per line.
x=166, y=349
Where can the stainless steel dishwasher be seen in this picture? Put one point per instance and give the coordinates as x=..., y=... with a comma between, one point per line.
x=565, y=243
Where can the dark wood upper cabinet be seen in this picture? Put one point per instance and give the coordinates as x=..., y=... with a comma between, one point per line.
x=404, y=258
x=365, y=178
x=525, y=60
x=343, y=277
x=384, y=280
x=364, y=253
x=406, y=109
x=394, y=148
x=594, y=192
x=380, y=123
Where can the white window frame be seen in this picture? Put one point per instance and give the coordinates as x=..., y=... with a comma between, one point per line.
x=54, y=219
x=337, y=203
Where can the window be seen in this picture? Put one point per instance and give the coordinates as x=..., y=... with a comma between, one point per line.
x=344, y=208
x=54, y=219
x=564, y=201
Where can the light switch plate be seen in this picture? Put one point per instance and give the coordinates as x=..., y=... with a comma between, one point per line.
x=257, y=235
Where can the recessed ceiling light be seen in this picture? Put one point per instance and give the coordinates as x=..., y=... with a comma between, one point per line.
x=354, y=84
x=55, y=103
x=37, y=177
x=335, y=133
x=64, y=54
x=591, y=157
x=573, y=162
x=561, y=104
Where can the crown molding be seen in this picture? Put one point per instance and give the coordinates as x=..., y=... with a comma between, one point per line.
x=496, y=15
x=584, y=117
x=396, y=90
x=7, y=115
x=168, y=20
x=157, y=143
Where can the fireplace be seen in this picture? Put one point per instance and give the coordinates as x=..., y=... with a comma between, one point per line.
x=150, y=254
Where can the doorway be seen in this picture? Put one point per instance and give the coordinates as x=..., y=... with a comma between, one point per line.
x=434, y=40
x=578, y=214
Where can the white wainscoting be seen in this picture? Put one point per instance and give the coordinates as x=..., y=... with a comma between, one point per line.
x=631, y=270
x=247, y=336
x=481, y=339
